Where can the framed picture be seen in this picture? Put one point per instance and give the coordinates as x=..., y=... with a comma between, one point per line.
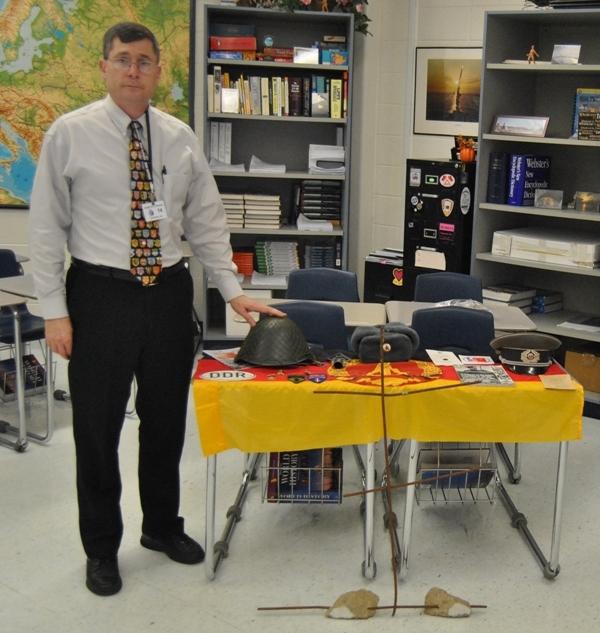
x=447, y=87
x=520, y=125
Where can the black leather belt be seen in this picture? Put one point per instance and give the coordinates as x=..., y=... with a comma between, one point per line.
x=124, y=275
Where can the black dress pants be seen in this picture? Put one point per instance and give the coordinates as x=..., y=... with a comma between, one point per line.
x=121, y=330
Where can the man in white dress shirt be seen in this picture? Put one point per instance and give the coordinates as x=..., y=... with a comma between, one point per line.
x=111, y=322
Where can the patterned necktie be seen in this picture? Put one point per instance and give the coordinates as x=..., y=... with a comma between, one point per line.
x=145, y=256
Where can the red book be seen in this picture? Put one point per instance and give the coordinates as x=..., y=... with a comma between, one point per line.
x=232, y=43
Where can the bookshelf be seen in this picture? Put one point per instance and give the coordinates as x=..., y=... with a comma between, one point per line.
x=276, y=139
x=540, y=90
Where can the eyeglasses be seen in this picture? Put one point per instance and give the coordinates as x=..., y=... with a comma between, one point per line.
x=145, y=66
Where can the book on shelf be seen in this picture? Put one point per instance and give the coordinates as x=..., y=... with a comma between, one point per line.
x=546, y=301
x=586, y=99
x=517, y=303
x=225, y=129
x=272, y=281
x=582, y=322
x=336, y=99
x=227, y=29
x=526, y=173
x=507, y=292
x=295, y=96
x=588, y=128
x=239, y=55
x=497, y=177
x=232, y=43
x=230, y=100
x=217, y=84
x=484, y=374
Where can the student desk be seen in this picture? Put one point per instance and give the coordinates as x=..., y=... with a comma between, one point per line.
x=15, y=291
x=257, y=416
x=506, y=318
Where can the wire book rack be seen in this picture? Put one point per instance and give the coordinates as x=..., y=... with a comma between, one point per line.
x=34, y=377
x=445, y=463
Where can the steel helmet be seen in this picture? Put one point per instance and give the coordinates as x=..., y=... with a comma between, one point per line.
x=274, y=342
x=527, y=353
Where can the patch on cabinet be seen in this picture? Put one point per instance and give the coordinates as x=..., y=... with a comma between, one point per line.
x=447, y=180
x=447, y=206
x=465, y=200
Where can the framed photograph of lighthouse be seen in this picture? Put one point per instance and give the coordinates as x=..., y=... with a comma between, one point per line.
x=447, y=87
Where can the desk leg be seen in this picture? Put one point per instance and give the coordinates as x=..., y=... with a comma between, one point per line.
x=514, y=467
x=553, y=567
x=211, y=494
x=550, y=567
x=369, y=567
x=408, y=508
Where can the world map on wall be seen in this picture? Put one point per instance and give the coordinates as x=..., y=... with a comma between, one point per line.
x=49, y=54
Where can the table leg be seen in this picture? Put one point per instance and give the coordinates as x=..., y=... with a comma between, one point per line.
x=550, y=567
x=409, y=505
x=553, y=567
x=211, y=492
x=369, y=567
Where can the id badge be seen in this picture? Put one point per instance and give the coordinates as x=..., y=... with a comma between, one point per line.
x=154, y=211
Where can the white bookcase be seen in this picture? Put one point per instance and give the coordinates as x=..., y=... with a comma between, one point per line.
x=276, y=139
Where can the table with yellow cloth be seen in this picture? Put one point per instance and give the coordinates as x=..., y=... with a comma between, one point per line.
x=271, y=413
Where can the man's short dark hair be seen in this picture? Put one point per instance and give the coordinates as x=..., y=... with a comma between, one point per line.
x=128, y=32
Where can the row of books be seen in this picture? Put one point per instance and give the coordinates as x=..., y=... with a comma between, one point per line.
x=537, y=300
x=276, y=258
x=314, y=475
x=514, y=178
x=309, y=96
x=320, y=255
x=238, y=41
x=252, y=211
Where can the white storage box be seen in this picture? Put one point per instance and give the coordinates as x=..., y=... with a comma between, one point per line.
x=553, y=246
x=235, y=325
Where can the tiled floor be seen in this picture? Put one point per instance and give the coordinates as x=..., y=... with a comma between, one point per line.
x=293, y=555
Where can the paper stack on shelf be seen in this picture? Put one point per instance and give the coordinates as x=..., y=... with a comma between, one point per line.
x=258, y=165
x=234, y=209
x=306, y=224
x=217, y=165
x=326, y=159
x=276, y=258
x=262, y=211
x=270, y=281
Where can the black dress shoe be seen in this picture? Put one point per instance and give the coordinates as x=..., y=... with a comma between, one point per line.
x=102, y=576
x=178, y=547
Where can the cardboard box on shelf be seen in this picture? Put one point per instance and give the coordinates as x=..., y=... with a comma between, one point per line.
x=584, y=365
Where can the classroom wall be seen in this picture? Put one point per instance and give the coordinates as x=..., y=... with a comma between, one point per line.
x=382, y=123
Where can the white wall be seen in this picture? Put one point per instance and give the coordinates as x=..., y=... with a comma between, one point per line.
x=383, y=100
x=382, y=124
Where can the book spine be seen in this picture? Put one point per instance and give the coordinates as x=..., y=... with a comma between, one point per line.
x=306, y=96
x=345, y=95
x=214, y=140
x=336, y=99
x=497, y=177
x=295, y=96
x=217, y=93
x=516, y=181
x=264, y=95
x=537, y=171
